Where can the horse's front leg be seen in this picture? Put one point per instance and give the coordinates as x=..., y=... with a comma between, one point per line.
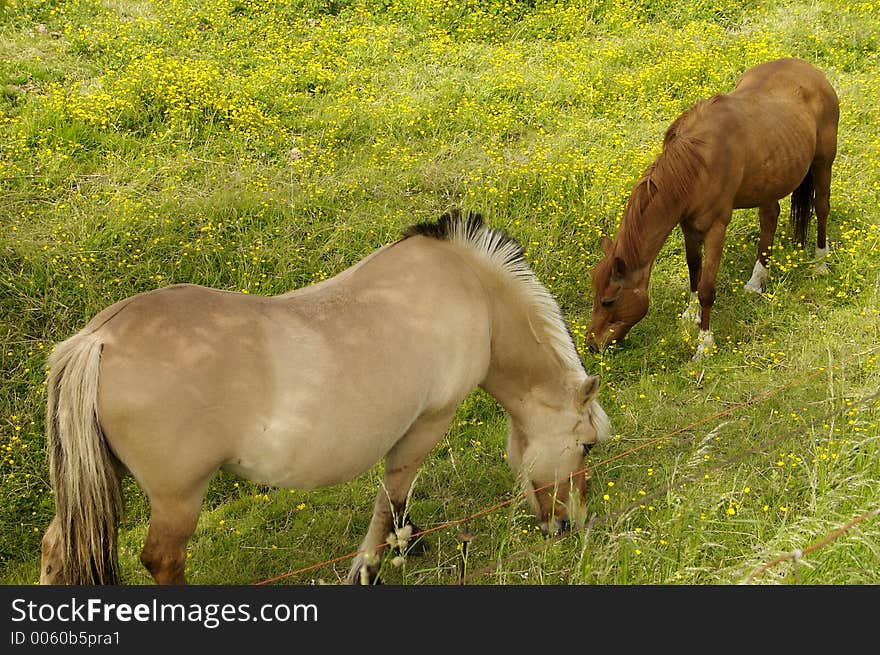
x=712, y=247
x=401, y=465
x=693, y=252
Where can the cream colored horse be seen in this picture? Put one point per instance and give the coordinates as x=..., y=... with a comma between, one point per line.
x=311, y=388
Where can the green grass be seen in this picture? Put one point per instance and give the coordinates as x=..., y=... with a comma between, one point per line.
x=260, y=145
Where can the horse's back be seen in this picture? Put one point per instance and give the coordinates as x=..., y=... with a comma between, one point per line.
x=794, y=84
x=789, y=76
x=768, y=102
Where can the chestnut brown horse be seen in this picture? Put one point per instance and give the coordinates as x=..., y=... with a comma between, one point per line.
x=774, y=134
x=311, y=388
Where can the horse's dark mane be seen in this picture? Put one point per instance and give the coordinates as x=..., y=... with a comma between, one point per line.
x=664, y=185
x=444, y=226
x=453, y=224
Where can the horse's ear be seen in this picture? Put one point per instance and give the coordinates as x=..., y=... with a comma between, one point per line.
x=606, y=246
x=589, y=389
x=618, y=269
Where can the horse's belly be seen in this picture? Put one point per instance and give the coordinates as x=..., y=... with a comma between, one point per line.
x=777, y=163
x=308, y=458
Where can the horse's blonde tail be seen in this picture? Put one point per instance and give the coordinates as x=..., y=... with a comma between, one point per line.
x=87, y=486
x=802, y=200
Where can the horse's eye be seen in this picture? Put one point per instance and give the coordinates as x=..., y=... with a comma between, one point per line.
x=607, y=302
x=587, y=447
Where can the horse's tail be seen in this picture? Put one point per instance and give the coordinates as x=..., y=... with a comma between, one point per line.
x=801, y=207
x=87, y=486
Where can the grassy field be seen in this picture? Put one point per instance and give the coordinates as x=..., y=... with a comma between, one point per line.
x=262, y=145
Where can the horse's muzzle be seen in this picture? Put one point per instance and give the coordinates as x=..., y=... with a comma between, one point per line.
x=593, y=347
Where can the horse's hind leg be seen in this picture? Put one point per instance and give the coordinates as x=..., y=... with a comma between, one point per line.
x=769, y=218
x=401, y=465
x=173, y=520
x=822, y=185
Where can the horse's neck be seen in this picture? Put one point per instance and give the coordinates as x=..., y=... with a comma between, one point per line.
x=524, y=359
x=642, y=234
x=663, y=196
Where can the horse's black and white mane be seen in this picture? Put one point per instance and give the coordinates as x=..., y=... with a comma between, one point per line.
x=507, y=256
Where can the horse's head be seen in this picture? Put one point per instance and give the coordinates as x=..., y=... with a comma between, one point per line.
x=547, y=449
x=620, y=299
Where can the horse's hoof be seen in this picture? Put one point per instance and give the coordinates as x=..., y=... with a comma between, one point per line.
x=821, y=268
x=756, y=281
x=706, y=345
x=362, y=577
x=364, y=570
x=560, y=526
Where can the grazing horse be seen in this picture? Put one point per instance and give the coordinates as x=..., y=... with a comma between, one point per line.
x=774, y=134
x=311, y=388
